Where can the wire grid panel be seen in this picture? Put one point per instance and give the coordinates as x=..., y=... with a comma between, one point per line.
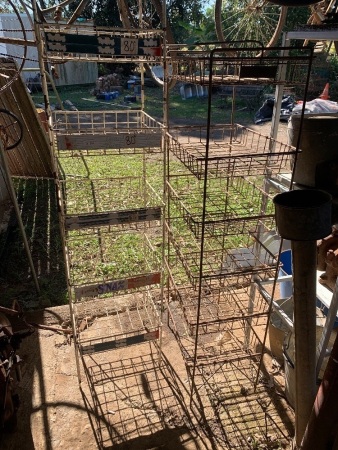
x=139, y=400
x=245, y=416
x=225, y=256
x=95, y=130
x=230, y=203
x=219, y=341
x=75, y=42
x=230, y=151
x=239, y=64
x=108, y=201
x=98, y=121
x=111, y=323
x=218, y=304
x=102, y=261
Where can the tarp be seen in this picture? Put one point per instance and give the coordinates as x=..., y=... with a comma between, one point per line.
x=264, y=114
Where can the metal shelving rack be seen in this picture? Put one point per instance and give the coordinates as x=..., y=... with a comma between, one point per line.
x=220, y=220
x=112, y=222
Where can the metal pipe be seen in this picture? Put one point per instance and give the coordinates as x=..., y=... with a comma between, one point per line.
x=303, y=216
x=304, y=260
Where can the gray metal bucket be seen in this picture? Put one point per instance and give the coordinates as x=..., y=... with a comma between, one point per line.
x=318, y=143
x=303, y=215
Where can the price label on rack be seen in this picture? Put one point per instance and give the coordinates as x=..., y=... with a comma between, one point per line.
x=129, y=46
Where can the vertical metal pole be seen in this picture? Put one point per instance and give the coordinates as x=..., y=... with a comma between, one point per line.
x=165, y=167
x=204, y=212
x=140, y=12
x=303, y=216
x=44, y=85
x=304, y=255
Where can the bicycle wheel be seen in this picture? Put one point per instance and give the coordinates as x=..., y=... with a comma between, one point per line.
x=256, y=20
x=11, y=130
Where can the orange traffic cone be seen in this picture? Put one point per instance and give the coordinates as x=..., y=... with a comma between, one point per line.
x=325, y=94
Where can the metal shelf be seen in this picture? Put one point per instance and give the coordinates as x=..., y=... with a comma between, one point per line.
x=239, y=63
x=96, y=130
x=107, y=324
x=112, y=225
x=219, y=305
x=218, y=224
x=112, y=262
x=108, y=201
x=324, y=32
x=220, y=342
x=75, y=42
x=232, y=204
x=229, y=151
x=233, y=256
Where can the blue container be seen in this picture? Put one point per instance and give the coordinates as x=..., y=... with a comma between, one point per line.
x=286, y=286
x=108, y=95
x=286, y=260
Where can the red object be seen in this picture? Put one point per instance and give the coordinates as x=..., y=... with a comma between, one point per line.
x=325, y=94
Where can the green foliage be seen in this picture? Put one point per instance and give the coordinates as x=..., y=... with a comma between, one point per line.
x=185, y=16
x=104, y=12
x=333, y=61
x=179, y=12
x=296, y=16
x=205, y=32
x=6, y=8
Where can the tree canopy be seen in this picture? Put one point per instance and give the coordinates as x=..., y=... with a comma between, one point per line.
x=190, y=20
x=106, y=13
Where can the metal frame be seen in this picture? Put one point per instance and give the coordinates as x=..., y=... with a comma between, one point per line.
x=97, y=212
x=221, y=261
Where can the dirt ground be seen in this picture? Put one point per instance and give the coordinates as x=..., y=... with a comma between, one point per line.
x=126, y=400
x=265, y=128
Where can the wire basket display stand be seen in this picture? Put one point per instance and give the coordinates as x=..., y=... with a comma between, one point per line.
x=111, y=216
x=216, y=222
x=220, y=222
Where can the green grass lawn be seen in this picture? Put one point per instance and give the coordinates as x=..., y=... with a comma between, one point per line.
x=191, y=109
x=38, y=202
